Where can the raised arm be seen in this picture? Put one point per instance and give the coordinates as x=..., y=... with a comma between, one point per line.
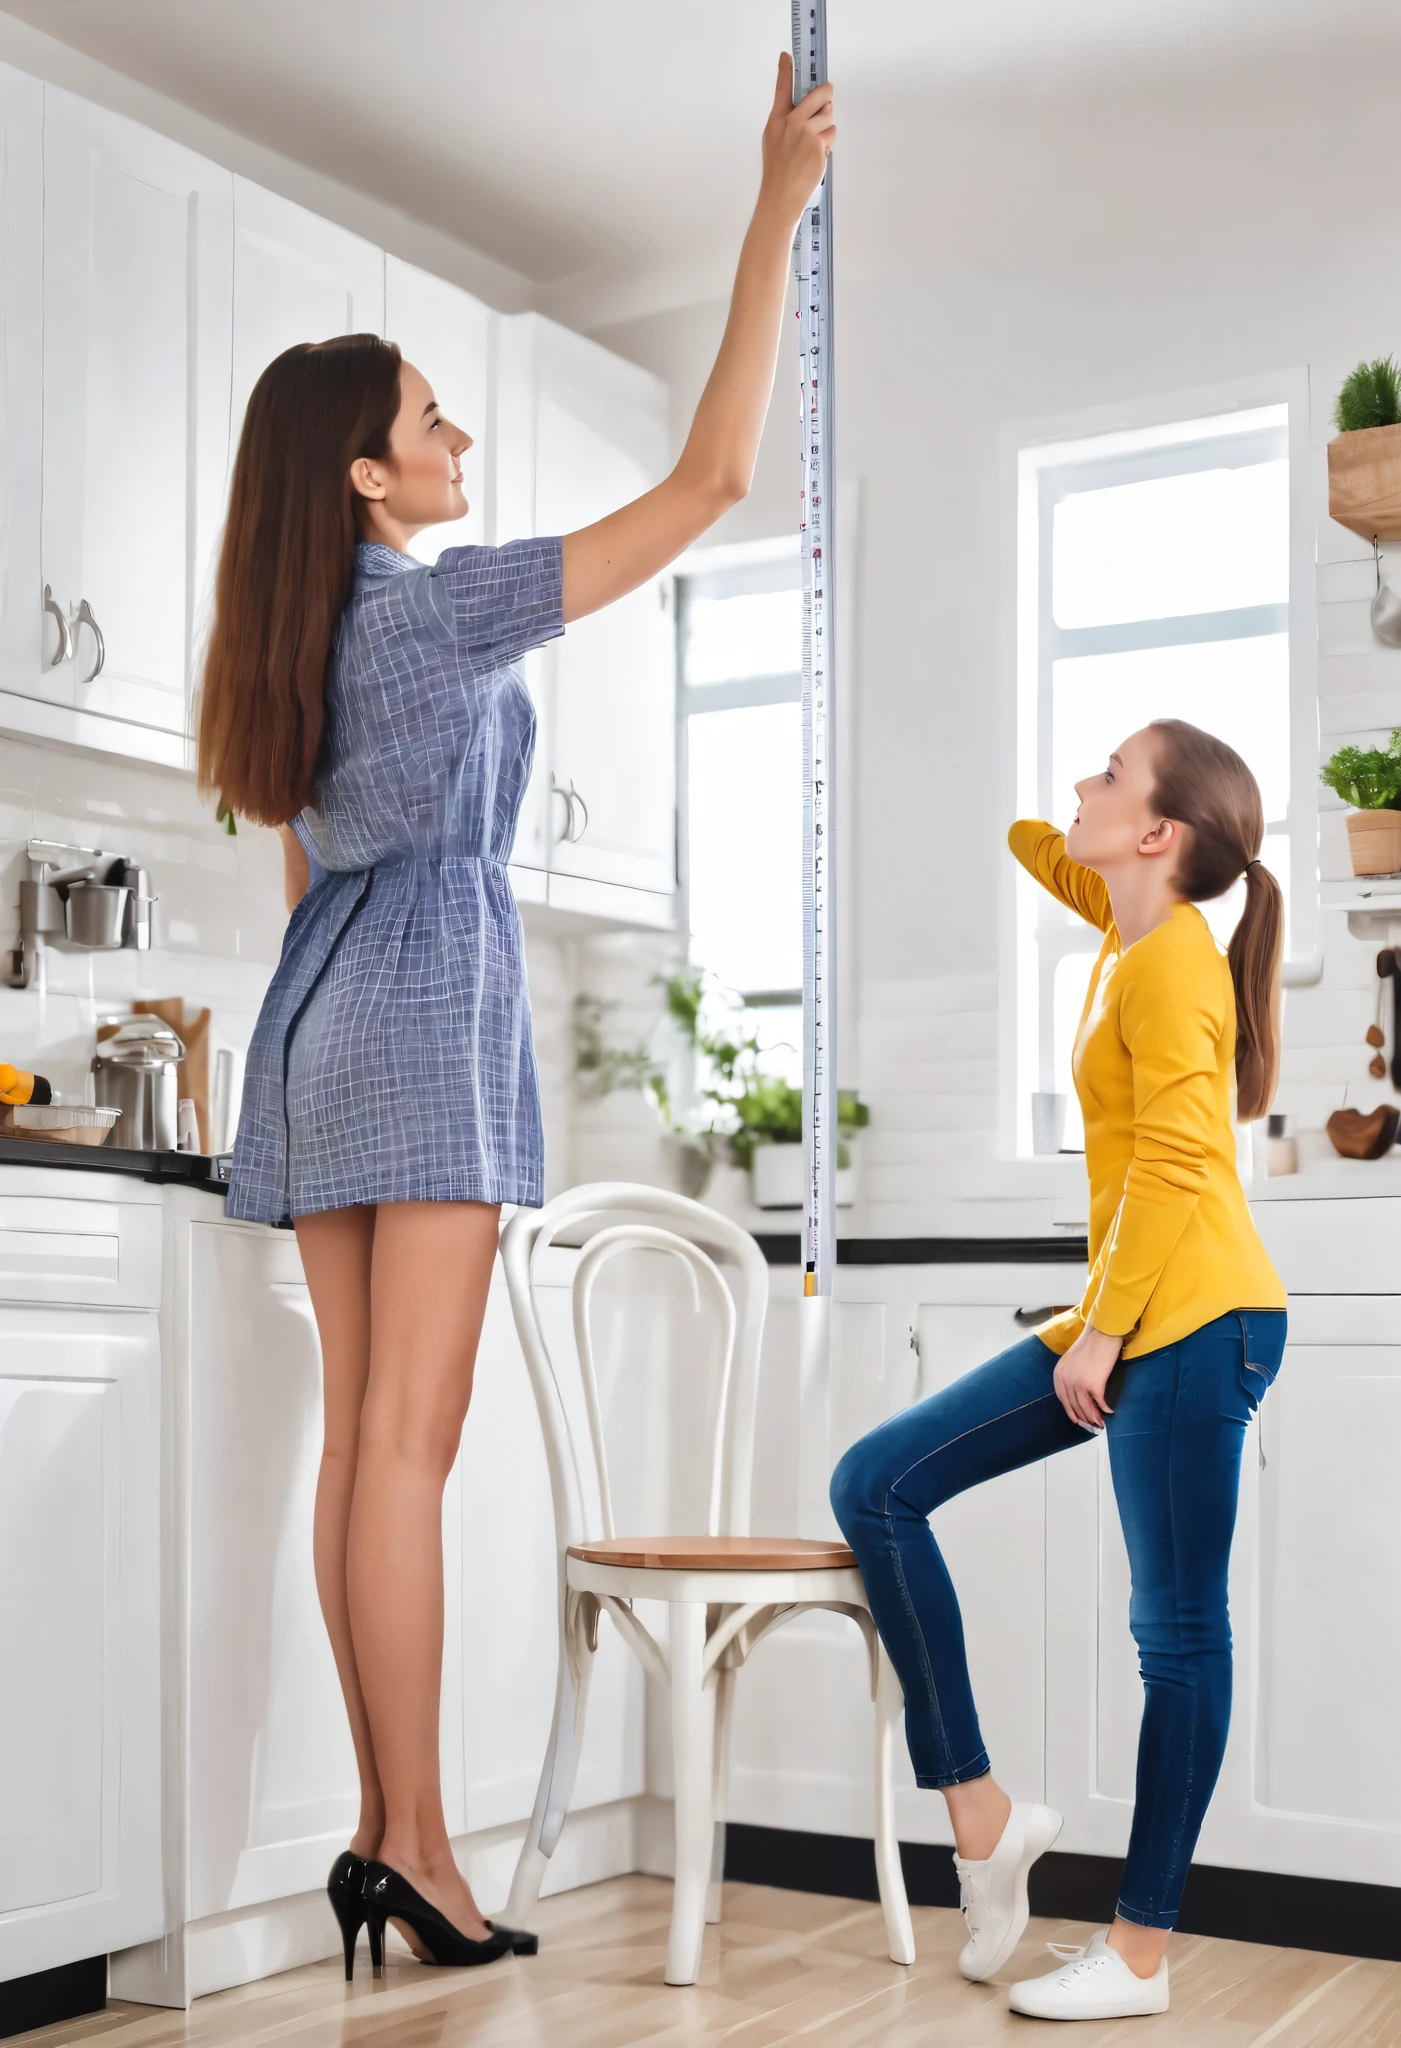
x=1041, y=850
x=606, y=560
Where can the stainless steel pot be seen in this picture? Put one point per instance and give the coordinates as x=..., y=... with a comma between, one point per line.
x=134, y=1071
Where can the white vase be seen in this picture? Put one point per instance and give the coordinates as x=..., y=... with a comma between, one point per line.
x=779, y=1174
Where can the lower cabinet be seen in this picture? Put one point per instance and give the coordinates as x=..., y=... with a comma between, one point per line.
x=80, y=1693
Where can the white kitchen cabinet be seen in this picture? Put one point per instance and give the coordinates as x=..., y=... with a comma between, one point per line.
x=581, y=432
x=899, y=1334
x=446, y=333
x=135, y=421
x=21, y=385
x=1310, y=1783
x=295, y=278
x=80, y=1616
x=261, y=1785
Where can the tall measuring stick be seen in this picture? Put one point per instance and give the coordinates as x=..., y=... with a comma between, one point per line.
x=812, y=251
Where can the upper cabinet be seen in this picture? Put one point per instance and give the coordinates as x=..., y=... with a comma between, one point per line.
x=582, y=432
x=136, y=235
x=446, y=334
x=21, y=342
x=296, y=278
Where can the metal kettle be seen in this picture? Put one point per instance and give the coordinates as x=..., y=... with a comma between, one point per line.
x=135, y=1071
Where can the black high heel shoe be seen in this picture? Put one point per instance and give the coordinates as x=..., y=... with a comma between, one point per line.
x=522, y=1944
x=387, y=1896
x=345, y=1888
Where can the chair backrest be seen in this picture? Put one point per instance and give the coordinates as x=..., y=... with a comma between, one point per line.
x=648, y=1219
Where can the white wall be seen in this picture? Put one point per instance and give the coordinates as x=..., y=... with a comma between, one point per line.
x=1024, y=256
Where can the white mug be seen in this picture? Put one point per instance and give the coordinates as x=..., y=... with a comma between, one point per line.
x=1047, y=1121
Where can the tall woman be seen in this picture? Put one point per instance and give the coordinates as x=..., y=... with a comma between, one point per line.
x=374, y=707
x=1178, y=1336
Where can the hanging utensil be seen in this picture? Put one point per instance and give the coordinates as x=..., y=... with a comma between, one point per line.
x=1386, y=605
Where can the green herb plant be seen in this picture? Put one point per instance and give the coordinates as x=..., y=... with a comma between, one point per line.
x=742, y=1105
x=1371, y=397
x=1368, y=779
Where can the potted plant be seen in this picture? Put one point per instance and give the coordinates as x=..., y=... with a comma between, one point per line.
x=1370, y=780
x=769, y=1141
x=1364, y=460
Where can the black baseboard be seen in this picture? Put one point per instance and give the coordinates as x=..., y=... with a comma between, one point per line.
x=48, y=1996
x=1234, y=1905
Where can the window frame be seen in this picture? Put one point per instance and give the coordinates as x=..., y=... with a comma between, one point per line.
x=720, y=572
x=1043, y=462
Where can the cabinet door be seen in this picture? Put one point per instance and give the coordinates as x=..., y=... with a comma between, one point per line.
x=601, y=440
x=295, y=278
x=80, y=1699
x=273, y=1789
x=1310, y=1783
x=136, y=390
x=21, y=331
x=446, y=333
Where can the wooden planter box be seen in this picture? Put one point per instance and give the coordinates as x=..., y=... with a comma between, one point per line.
x=1374, y=837
x=1364, y=482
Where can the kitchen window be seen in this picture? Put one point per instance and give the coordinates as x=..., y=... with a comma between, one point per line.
x=739, y=777
x=1160, y=573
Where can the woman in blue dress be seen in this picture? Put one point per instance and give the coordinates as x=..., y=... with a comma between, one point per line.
x=371, y=707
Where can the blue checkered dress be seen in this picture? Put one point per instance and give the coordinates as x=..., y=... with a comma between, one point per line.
x=392, y=1059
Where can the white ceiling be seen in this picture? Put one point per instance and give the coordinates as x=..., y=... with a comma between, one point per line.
x=579, y=140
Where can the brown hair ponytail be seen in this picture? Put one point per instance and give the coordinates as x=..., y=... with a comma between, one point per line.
x=1204, y=784
x=285, y=568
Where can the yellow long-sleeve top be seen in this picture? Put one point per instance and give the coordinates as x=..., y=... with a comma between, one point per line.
x=1172, y=1243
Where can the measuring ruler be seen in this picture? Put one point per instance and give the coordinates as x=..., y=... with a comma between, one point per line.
x=812, y=250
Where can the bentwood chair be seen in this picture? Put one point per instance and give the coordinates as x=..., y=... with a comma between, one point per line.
x=724, y=1589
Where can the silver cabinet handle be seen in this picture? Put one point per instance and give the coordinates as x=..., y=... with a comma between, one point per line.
x=84, y=616
x=65, y=638
x=569, y=836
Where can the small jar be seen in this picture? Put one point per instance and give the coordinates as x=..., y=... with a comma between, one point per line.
x=1281, y=1150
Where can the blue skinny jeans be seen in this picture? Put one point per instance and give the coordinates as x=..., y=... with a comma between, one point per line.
x=1175, y=1437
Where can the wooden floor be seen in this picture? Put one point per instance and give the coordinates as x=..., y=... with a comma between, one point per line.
x=786, y=1966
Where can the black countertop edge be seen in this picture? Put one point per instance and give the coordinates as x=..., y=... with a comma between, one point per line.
x=785, y=1249
x=184, y=1169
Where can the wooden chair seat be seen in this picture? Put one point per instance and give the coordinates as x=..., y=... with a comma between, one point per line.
x=717, y=1553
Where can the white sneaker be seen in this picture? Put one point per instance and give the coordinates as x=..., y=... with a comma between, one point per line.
x=1095, y=1984
x=992, y=1891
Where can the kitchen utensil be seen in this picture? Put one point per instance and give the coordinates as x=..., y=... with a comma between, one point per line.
x=186, y=1126
x=1386, y=606
x=95, y=914
x=16, y=1086
x=60, y=1123
x=1047, y=1121
x=134, y=1070
x=1356, y=1136
x=192, y=1027
x=1281, y=1150
x=228, y=1097
x=138, y=924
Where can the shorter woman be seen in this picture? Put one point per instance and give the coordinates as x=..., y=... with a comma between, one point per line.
x=1178, y=1336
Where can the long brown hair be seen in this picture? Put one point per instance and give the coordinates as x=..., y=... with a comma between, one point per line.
x=285, y=568
x=1204, y=784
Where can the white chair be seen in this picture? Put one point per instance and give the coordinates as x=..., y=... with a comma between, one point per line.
x=725, y=1589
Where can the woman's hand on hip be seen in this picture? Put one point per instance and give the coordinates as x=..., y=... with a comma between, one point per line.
x=1082, y=1374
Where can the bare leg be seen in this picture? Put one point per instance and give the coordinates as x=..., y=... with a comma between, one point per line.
x=430, y=1273
x=979, y=1811
x=335, y=1249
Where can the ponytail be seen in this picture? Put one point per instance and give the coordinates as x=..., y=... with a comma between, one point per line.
x=1205, y=785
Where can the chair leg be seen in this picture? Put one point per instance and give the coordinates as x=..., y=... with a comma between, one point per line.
x=890, y=1877
x=724, y=1699
x=556, y=1785
x=693, y=1771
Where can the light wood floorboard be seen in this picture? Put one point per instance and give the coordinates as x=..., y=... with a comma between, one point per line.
x=784, y=1967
